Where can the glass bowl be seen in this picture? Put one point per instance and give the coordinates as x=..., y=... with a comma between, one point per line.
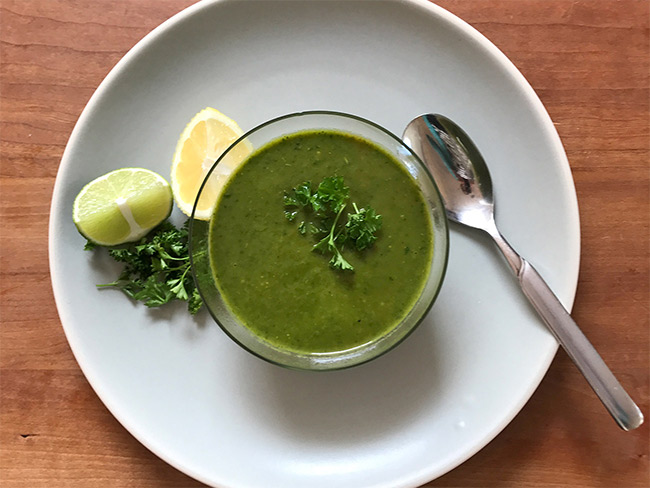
x=199, y=242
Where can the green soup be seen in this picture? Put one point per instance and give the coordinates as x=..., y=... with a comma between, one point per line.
x=287, y=294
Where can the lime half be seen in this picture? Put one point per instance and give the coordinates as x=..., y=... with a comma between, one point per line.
x=122, y=206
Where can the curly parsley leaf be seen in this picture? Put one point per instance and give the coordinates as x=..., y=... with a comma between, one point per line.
x=157, y=268
x=362, y=226
x=299, y=196
x=290, y=215
x=194, y=302
x=331, y=194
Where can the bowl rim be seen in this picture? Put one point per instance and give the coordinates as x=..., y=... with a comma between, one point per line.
x=444, y=220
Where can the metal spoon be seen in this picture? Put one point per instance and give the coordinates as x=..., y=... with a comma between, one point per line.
x=466, y=188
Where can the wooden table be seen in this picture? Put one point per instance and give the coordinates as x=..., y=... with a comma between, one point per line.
x=588, y=60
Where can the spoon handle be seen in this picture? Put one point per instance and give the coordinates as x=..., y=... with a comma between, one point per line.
x=619, y=404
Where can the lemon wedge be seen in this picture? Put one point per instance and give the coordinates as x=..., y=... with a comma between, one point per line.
x=203, y=140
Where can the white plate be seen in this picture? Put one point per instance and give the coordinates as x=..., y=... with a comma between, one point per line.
x=219, y=414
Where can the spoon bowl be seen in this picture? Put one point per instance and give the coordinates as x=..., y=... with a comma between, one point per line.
x=457, y=167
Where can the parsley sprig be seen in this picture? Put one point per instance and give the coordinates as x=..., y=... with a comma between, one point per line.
x=157, y=268
x=326, y=205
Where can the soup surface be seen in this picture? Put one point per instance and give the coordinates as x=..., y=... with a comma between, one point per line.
x=281, y=289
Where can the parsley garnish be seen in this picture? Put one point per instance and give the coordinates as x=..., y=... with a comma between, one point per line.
x=362, y=225
x=326, y=205
x=157, y=268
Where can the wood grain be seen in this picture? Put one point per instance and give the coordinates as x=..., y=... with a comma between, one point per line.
x=588, y=61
